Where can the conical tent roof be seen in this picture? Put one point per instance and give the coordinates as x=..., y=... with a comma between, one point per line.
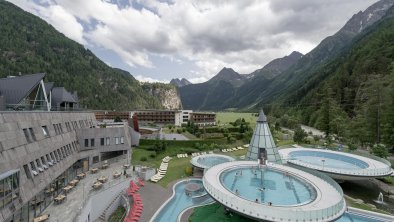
x=262, y=142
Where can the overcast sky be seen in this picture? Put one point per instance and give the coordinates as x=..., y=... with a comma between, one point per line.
x=194, y=39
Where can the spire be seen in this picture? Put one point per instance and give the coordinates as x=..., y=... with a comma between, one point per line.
x=262, y=143
x=262, y=117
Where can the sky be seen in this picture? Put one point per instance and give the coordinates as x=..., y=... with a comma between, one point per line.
x=194, y=39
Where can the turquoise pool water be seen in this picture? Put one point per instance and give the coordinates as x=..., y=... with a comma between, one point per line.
x=350, y=217
x=329, y=160
x=210, y=161
x=267, y=185
x=180, y=201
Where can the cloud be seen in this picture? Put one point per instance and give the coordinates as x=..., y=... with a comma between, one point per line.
x=142, y=78
x=243, y=34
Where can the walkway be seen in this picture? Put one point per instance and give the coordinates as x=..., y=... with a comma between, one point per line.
x=67, y=210
x=153, y=196
x=375, y=168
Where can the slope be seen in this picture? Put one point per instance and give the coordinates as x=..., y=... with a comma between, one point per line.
x=30, y=45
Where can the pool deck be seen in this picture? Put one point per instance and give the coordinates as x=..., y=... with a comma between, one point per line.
x=375, y=168
x=153, y=196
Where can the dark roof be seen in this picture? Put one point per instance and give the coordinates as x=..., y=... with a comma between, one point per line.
x=48, y=87
x=60, y=94
x=14, y=89
x=262, y=117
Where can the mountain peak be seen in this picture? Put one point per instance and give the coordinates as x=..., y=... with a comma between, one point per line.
x=277, y=66
x=363, y=19
x=180, y=82
x=228, y=75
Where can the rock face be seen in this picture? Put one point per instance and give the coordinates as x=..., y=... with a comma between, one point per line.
x=180, y=82
x=167, y=94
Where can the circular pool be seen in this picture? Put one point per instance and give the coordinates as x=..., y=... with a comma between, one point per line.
x=268, y=186
x=209, y=160
x=283, y=193
x=339, y=165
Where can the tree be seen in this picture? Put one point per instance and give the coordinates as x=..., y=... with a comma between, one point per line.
x=380, y=150
x=299, y=135
x=352, y=146
x=117, y=119
x=316, y=138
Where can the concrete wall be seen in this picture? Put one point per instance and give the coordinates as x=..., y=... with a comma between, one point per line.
x=17, y=150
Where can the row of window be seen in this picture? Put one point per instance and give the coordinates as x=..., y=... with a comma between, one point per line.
x=44, y=162
x=104, y=141
x=72, y=125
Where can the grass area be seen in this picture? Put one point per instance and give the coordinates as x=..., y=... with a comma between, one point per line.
x=224, y=118
x=175, y=171
x=215, y=212
x=388, y=180
x=117, y=215
x=351, y=203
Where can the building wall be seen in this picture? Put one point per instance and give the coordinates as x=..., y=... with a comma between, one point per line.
x=25, y=144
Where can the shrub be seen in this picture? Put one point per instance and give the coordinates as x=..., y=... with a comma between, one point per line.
x=380, y=150
x=152, y=155
x=189, y=171
x=144, y=158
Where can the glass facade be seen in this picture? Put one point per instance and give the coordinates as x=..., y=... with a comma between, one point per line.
x=262, y=144
x=9, y=189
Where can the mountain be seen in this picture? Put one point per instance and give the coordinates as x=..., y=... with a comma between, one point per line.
x=229, y=89
x=30, y=45
x=228, y=75
x=265, y=86
x=352, y=95
x=180, y=82
x=167, y=94
x=277, y=66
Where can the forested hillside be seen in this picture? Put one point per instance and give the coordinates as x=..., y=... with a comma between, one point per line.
x=30, y=45
x=353, y=95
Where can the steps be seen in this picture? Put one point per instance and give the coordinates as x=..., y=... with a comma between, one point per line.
x=103, y=215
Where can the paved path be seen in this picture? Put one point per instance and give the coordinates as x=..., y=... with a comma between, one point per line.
x=153, y=196
x=67, y=210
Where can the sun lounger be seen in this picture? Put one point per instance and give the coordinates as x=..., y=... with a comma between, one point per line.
x=210, y=152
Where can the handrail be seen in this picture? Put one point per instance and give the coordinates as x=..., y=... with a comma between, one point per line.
x=357, y=172
x=91, y=193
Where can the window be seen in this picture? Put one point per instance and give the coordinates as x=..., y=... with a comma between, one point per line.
x=45, y=131
x=91, y=142
x=116, y=140
x=60, y=128
x=27, y=171
x=86, y=143
x=107, y=141
x=27, y=135
x=56, y=130
x=102, y=141
x=9, y=187
x=32, y=134
x=59, y=154
x=122, y=140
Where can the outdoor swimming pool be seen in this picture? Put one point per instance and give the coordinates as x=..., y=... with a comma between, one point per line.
x=209, y=160
x=181, y=201
x=267, y=185
x=327, y=159
x=352, y=217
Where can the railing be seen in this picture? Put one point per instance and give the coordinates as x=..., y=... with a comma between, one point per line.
x=279, y=213
x=355, y=172
x=127, y=208
x=91, y=193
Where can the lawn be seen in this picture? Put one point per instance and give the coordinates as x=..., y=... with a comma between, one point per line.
x=224, y=118
x=351, y=203
x=215, y=212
